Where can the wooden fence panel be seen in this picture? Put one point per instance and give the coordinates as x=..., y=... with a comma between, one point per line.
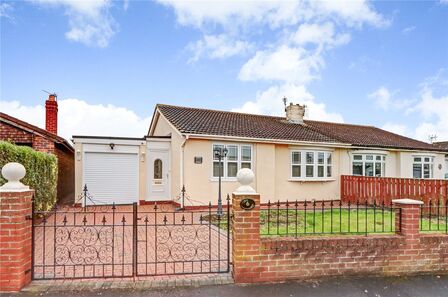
x=379, y=189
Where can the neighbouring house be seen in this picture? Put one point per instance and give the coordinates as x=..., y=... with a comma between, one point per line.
x=292, y=158
x=45, y=140
x=443, y=145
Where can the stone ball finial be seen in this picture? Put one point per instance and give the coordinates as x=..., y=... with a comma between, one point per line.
x=245, y=177
x=13, y=172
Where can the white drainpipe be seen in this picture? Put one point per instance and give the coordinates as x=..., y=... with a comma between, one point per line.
x=182, y=146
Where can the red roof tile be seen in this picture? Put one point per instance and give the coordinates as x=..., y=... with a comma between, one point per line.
x=21, y=124
x=223, y=123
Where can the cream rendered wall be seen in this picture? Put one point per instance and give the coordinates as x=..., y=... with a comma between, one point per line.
x=164, y=128
x=142, y=168
x=78, y=171
x=271, y=164
x=265, y=169
x=288, y=189
x=198, y=180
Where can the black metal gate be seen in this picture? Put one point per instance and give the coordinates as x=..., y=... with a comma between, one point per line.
x=129, y=240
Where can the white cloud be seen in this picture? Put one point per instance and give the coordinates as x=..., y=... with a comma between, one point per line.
x=90, y=21
x=270, y=102
x=77, y=117
x=381, y=97
x=300, y=33
x=218, y=47
x=397, y=129
x=231, y=13
x=408, y=30
x=353, y=13
x=434, y=111
x=5, y=11
x=288, y=64
x=320, y=34
x=444, y=2
x=272, y=13
x=386, y=100
x=430, y=111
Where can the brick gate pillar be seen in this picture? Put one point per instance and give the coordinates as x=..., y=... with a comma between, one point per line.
x=15, y=230
x=407, y=217
x=245, y=230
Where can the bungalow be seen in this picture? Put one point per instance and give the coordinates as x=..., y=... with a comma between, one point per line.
x=292, y=158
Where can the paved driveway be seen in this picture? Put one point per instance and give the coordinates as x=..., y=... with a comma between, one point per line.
x=99, y=242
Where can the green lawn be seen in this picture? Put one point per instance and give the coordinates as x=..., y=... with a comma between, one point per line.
x=337, y=221
x=342, y=221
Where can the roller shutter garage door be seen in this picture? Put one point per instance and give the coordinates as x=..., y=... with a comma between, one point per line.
x=111, y=177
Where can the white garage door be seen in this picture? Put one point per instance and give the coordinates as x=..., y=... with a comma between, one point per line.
x=111, y=177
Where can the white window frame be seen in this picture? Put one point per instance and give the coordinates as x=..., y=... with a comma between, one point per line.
x=364, y=160
x=423, y=163
x=239, y=160
x=446, y=167
x=303, y=164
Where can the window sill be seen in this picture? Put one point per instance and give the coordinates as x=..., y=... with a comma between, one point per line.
x=224, y=179
x=311, y=179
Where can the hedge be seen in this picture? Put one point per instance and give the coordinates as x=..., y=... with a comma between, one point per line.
x=41, y=172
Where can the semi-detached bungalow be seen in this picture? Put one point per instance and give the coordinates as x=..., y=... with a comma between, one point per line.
x=292, y=158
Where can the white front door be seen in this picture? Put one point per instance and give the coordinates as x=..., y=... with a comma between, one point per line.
x=158, y=174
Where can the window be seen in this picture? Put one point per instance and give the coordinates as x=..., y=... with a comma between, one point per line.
x=311, y=164
x=157, y=169
x=369, y=165
x=423, y=167
x=238, y=156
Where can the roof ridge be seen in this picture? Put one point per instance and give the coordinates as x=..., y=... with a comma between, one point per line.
x=338, y=123
x=224, y=111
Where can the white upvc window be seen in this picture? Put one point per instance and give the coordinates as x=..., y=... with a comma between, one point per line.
x=369, y=165
x=423, y=167
x=238, y=156
x=306, y=164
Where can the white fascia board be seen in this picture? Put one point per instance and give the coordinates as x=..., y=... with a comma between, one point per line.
x=105, y=140
x=273, y=141
x=416, y=151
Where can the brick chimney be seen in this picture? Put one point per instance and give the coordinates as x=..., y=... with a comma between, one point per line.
x=295, y=113
x=51, y=114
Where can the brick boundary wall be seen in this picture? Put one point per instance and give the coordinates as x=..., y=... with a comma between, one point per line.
x=15, y=240
x=258, y=259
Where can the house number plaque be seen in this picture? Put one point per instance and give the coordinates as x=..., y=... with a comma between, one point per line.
x=247, y=204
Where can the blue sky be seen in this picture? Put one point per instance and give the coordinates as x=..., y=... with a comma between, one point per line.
x=375, y=63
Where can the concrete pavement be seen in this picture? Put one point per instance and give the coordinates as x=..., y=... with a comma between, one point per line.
x=417, y=286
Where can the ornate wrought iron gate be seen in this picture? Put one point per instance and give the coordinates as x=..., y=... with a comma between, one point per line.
x=128, y=241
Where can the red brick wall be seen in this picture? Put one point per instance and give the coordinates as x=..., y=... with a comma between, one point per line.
x=13, y=134
x=66, y=175
x=257, y=259
x=15, y=240
x=42, y=144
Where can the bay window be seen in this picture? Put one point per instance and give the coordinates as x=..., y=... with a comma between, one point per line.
x=238, y=156
x=423, y=167
x=310, y=164
x=368, y=165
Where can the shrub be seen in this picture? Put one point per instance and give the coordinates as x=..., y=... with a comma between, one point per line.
x=41, y=172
